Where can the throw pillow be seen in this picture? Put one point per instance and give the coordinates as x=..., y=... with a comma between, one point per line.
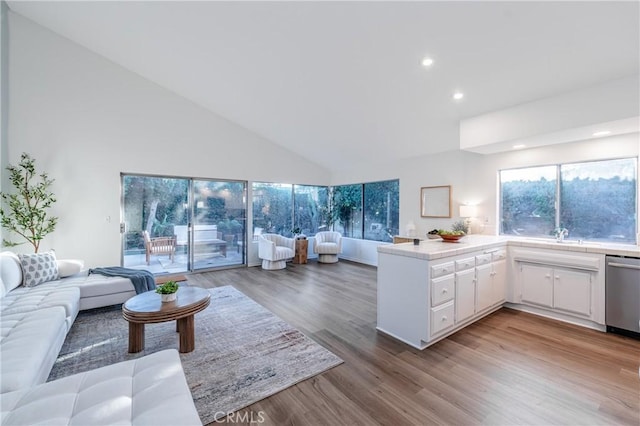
x=38, y=268
x=68, y=267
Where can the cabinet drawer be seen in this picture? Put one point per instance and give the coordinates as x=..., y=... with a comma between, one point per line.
x=498, y=255
x=441, y=269
x=442, y=290
x=483, y=259
x=467, y=263
x=442, y=317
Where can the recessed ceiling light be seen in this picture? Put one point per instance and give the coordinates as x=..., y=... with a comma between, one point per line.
x=458, y=95
x=427, y=62
x=602, y=133
x=519, y=146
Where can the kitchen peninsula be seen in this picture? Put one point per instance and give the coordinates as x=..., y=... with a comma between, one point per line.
x=429, y=291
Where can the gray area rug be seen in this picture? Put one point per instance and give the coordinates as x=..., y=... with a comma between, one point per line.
x=243, y=353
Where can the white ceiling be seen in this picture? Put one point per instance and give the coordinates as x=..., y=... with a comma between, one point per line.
x=341, y=82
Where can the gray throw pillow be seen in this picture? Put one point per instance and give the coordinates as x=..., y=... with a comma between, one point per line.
x=38, y=268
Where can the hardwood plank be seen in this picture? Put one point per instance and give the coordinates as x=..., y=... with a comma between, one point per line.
x=508, y=368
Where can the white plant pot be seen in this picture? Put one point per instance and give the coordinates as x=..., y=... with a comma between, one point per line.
x=169, y=297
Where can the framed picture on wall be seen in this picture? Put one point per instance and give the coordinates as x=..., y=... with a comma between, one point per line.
x=435, y=201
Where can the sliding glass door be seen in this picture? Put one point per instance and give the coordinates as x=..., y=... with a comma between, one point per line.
x=173, y=225
x=219, y=218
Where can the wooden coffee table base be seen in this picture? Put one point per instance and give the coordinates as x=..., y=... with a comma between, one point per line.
x=146, y=308
x=185, y=326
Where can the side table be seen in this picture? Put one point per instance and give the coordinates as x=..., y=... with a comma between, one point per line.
x=301, y=251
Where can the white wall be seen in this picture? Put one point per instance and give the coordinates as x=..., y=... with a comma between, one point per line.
x=612, y=105
x=85, y=120
x=4, y=95
x=474, y=179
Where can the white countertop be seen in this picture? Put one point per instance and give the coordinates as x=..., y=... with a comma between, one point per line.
x=437, y=249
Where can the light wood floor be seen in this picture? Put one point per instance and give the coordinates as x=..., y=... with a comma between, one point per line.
x=508, y=368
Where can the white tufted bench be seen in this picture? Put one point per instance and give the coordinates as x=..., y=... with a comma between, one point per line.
x=151, y=390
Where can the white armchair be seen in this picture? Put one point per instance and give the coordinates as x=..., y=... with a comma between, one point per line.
x=327, y=244
x=275, y=250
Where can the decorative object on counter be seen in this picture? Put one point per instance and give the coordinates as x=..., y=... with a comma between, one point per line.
x=468, y=212
x=416, y=241
x=450, y=236
x=410, y=229
x=435, y=201
x=460, y=226
x=433, y=235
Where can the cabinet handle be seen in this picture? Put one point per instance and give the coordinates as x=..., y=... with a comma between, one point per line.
x=444, y=290
x=444, y=318
x=547, y=276
x=557, y=277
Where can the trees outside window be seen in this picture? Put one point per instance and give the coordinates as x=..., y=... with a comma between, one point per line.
x=381, y=210
x=310, y=209
x=272, y=207
x=347, y=210
x=596, y=200
x=528, y=199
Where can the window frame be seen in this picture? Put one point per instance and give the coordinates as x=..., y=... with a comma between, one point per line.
x=558, y=193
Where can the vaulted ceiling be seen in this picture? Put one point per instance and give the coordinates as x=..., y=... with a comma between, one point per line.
x=342, y=82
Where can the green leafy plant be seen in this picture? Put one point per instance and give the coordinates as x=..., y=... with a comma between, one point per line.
x=167, y=288
x=26, y=211
x=460, y=226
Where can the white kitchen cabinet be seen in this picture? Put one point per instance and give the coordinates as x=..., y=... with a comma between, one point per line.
x=499, y=281
x=442, y=317
x=484, y=287
x=565, y=289
x=443, y=289
x=537, y=284
x=572, y=291
x=465, y=295
x=491, y=280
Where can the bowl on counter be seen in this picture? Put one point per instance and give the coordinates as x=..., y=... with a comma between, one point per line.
x=433, y=236
x=451, y=238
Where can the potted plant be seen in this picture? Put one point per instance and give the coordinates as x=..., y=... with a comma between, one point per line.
x=168, y=291
x=26, y=212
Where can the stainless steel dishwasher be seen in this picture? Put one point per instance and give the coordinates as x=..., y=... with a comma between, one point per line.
x=622, y=313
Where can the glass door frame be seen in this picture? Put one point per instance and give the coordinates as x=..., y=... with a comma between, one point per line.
x=190, y=211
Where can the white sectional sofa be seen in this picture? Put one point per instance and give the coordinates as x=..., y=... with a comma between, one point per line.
x=34, y=322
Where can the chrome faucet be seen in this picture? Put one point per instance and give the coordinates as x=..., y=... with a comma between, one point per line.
x=560, y=233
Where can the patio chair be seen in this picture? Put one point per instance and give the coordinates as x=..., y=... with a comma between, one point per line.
x=159, y=245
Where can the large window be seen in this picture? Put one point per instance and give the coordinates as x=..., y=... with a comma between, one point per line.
x=593, y=200
x=310, y=213
x=347, y=210
x=370, y=209
x=272, y=208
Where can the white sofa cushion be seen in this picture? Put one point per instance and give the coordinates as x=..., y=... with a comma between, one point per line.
x=10, y=272
x=38, y=268
x=68, y=267
x=26, y=299
x=98, y=290
x=151, y=390
x=30, y=343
